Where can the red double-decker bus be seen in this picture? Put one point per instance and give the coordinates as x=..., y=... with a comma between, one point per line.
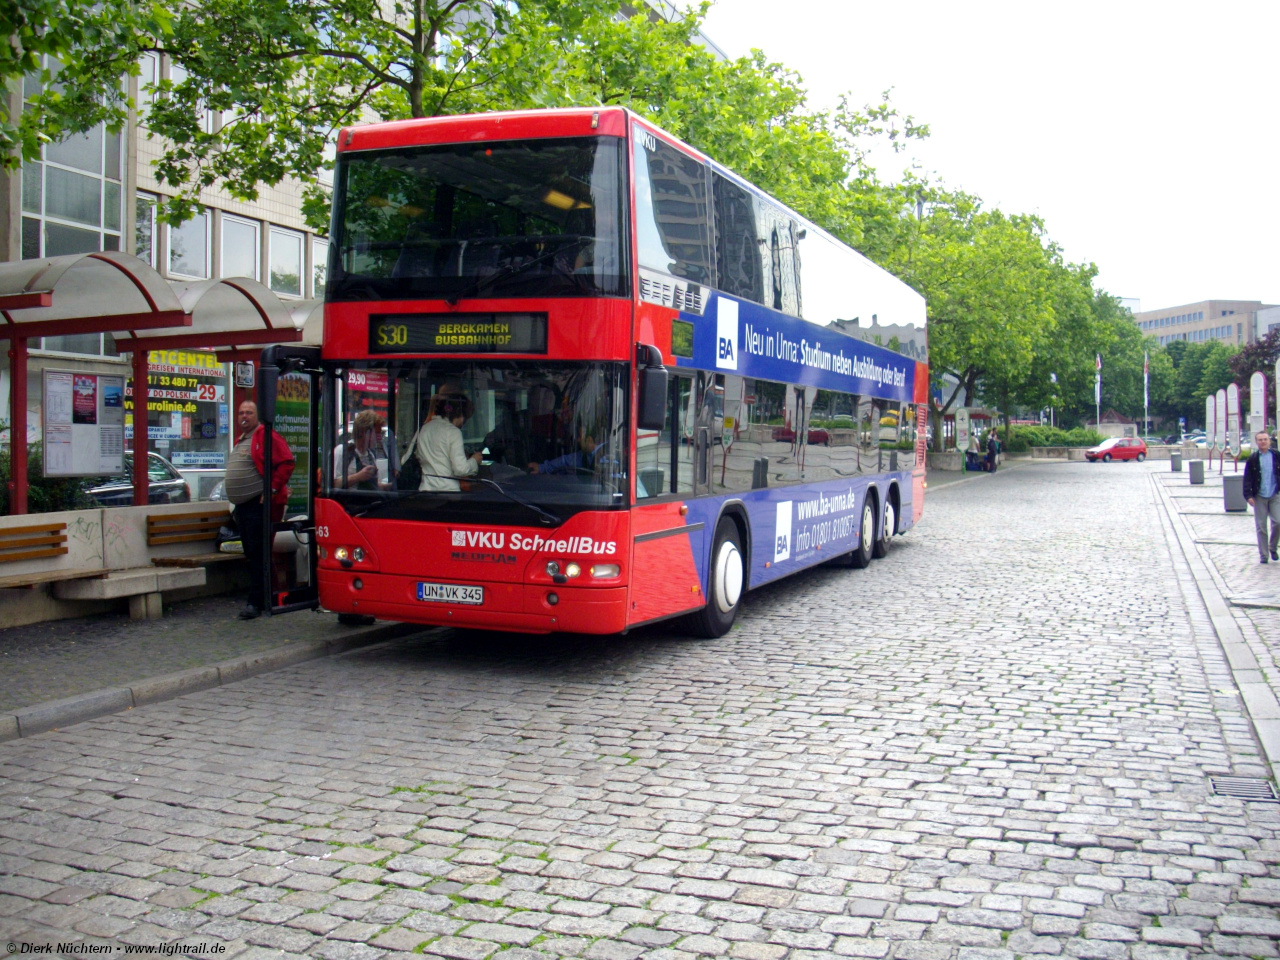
x=621, y=383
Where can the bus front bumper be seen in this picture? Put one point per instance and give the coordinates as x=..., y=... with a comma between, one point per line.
x=517, y=607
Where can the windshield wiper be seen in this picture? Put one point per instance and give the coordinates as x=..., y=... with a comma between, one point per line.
x=545, y=516
x=512, y=271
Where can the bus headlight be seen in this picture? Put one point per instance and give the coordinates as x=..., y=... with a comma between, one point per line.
x=604, y=570
x=553, y=568
x=341, y=554
x=358, y=554
x=572, y=570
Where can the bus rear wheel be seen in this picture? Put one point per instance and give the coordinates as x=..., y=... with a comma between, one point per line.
x=725, y=581
x=889, y=524
x=862, y=553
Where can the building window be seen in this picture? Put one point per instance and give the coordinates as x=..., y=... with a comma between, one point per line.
x=178, y=74
x=319, y=265
x=286, y=262
x=240, y=251
x=144, y=228
x=148, y=77
x=189, y=248
x=72, y=196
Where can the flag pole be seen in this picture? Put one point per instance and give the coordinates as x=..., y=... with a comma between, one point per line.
x=1097, y=394
x=1146, y=393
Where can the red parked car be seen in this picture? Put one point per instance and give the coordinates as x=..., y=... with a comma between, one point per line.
x=1117, y=448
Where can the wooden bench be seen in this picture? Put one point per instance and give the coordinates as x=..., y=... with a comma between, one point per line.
x=36, y=541
x=190, y=526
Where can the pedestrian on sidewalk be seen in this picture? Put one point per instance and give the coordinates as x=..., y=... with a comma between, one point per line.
x=1262, y=490
x=993, y=450
x=245, y=489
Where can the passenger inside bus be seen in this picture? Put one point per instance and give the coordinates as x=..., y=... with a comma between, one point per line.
x=439, y=445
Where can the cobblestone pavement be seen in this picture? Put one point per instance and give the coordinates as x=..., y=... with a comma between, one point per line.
x=48, y=661
x=996, y=742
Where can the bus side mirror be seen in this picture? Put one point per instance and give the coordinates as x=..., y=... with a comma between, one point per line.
x=652, y=378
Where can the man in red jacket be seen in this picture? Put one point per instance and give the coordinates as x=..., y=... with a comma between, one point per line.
x=245, y=489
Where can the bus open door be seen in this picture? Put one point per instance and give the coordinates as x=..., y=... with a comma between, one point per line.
x=289, y=403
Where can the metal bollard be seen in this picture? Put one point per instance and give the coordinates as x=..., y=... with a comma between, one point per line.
x=1197, y=471
x=1233, y=493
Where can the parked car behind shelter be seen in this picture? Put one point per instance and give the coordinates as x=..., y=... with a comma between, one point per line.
x=166, y=484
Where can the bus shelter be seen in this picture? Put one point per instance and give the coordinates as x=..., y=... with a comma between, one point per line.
x=116, y=293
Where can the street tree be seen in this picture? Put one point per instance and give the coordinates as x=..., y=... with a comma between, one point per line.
x=283, y=76
x=70, y=57
x=1258, y=357
x=1217, y=371
x=987, y=279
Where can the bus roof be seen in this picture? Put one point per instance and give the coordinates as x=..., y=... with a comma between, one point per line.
x=478, y=127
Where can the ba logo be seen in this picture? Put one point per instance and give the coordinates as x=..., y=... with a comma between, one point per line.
x=782, y=532
x=726, y=334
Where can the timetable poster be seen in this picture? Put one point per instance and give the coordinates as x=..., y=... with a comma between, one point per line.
x=83, y=424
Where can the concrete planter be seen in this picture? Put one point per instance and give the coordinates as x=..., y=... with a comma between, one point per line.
x=950, y=460
x=1076, y=453
x=1049, y=453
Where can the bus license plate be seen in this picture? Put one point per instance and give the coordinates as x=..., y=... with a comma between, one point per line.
x=450, y=593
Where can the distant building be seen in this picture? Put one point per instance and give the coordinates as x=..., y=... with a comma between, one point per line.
x=1267, y=319
x=1228, y=321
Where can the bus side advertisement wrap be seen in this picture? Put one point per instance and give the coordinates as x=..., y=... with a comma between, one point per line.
x=752, y=341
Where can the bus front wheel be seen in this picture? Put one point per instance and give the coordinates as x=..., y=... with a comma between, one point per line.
x=724, y=587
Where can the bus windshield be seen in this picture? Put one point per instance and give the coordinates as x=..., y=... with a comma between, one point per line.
x=481, y=442
x=523, y=218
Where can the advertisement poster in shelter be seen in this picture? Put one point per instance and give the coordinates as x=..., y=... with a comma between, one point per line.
x=82, y=419
x=293, y=421
x=186, y=401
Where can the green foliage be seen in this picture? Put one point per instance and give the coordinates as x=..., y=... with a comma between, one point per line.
x=91, y=46
x=288, y=74
x=1261, y=357
x=1195, y=370
x=44, y=495
x=1055, y=437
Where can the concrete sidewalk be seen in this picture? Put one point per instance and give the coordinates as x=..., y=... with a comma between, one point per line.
x=64, y=671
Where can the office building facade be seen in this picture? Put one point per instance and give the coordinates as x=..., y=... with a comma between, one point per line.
x=1227, y=321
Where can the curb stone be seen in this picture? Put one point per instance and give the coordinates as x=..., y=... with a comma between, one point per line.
x=53, y=714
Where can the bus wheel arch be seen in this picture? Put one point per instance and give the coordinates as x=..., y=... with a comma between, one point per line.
x=727, y=571
x=736, y=511
x=888, y=523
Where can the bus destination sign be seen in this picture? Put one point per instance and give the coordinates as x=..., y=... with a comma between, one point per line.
x=458, y=333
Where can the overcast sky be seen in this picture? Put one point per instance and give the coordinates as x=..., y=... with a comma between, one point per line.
x=1145, y=134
